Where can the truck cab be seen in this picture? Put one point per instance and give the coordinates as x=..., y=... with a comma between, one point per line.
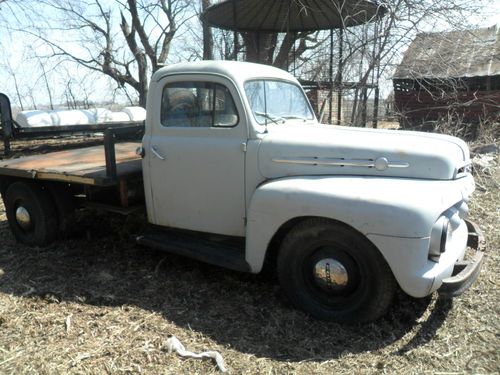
x=205, y=126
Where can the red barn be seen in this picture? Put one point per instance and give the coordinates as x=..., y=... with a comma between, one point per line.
x=449, y=75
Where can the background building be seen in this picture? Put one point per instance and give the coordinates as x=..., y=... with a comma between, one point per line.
x=449, y=75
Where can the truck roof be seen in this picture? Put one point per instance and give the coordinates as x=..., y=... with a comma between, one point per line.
x=237, y=71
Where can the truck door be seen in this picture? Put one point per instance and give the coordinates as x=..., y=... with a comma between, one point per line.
x=195, y=156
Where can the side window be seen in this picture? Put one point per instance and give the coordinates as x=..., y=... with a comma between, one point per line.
x=197, y=104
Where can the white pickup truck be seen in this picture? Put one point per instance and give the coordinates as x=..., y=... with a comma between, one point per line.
x=236, y=171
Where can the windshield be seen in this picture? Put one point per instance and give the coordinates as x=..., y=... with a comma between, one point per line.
x=277, y=101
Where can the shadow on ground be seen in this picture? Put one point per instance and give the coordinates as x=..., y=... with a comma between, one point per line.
x=246, y=312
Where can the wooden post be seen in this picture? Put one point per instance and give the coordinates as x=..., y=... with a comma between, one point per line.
x=339, y=88
x=330, y=93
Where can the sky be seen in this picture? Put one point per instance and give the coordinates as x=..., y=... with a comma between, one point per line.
x=23, y=57
x=491, y=15
x=19, y=63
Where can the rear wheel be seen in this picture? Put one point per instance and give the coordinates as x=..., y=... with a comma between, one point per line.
x=31, y=214
x=332, y=272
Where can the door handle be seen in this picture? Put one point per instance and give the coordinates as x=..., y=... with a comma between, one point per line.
x=157, y=154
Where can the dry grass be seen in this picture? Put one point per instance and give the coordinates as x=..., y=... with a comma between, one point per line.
x=384, y=124
x=101, y=304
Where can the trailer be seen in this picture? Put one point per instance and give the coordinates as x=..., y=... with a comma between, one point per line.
x=48, y=188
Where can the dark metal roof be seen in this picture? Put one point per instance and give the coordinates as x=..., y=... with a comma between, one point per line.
x=456, y=54
x=291, y=15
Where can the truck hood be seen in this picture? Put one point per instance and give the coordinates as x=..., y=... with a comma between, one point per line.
x=291, y=150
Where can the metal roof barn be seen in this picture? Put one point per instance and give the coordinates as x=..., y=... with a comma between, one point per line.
x=468, y=53
x=450, y=75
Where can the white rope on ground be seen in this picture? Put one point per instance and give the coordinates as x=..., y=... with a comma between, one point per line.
x=174, y=345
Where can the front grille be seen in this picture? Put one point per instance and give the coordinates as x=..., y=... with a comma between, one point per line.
x=466, y=169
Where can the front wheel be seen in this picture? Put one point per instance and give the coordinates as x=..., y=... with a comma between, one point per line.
x=334, y=273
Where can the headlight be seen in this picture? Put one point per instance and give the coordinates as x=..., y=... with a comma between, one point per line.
x=440, y=233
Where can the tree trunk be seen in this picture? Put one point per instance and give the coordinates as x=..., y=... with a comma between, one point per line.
x=258, y=46
x=208, y=41
x=143, y=94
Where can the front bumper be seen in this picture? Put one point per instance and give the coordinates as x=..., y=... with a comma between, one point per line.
x=465, y=272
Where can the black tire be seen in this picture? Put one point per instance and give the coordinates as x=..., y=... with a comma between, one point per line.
x=43, y=226
x=365, y=284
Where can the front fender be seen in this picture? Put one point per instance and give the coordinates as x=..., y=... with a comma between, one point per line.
x=393, y=207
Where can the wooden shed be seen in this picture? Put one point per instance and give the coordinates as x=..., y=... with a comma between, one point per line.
x=449, y=75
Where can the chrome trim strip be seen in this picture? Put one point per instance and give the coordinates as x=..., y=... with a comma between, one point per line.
x=367, y=163
x=398, y=164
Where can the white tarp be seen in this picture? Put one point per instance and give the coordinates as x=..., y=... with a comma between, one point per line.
x=31, y=119
x=116, y=117
x=72, y=117
x=100, y=114
x=135, y=113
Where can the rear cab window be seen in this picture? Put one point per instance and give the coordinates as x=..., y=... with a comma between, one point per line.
x=197, y=104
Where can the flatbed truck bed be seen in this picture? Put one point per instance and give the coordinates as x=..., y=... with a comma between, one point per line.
x=85, y=166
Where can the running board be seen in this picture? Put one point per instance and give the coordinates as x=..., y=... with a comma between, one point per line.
x=216, y=250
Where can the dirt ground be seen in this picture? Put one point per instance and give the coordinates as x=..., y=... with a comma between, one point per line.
x=101, y=304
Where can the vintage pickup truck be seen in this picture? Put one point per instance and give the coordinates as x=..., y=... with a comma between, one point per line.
x=237, y=172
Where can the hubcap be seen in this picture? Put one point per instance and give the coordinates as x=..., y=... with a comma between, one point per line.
x=23, y=217
x=330, y=275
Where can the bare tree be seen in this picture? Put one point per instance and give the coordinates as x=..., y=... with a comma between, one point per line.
x=371, y=50
x=128, y=39
x=279, y=50
x=12, y=73
x=45, y=79
x=125, y=39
